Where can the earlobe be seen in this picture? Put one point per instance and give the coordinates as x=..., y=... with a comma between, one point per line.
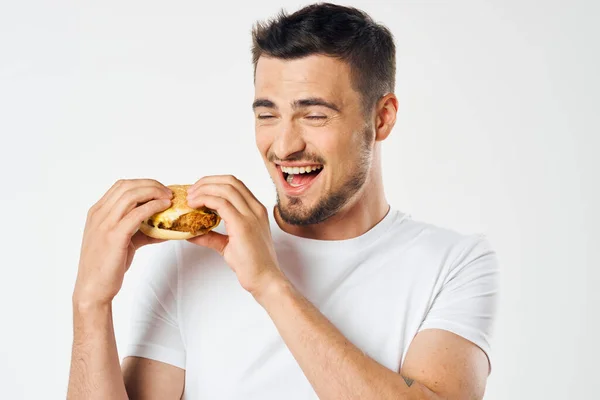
x=387, y=108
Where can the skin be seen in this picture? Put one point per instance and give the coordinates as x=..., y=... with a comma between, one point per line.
x=438, y=365
x=338, y=138
x=110, y=241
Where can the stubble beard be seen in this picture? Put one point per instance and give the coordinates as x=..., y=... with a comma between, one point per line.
x=297, y=213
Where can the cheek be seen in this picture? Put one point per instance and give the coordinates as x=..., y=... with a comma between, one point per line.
x=263, y=140
x=336, y=147
x=324, y=143
x=345, y=152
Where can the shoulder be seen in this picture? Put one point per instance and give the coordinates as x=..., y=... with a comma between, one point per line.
x=448, y=247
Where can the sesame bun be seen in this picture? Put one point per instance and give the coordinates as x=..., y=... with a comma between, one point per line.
x=180, y=221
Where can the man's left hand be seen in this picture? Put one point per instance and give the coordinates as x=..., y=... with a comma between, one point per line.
x=248, y=247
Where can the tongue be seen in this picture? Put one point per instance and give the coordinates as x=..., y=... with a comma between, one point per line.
x=301, y=179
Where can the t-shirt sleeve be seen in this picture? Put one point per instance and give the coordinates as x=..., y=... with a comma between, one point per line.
x=154, y=329
x=466, y=303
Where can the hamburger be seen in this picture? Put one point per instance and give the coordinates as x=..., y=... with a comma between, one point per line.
x=180, y=221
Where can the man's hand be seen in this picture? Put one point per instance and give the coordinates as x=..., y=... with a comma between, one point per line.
x=111, y=237
x=247, y=248
x=110, y=240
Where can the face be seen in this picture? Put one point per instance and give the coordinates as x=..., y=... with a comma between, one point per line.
x=312, y=135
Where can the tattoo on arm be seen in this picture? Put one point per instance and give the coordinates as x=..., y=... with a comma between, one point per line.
x=408, y=381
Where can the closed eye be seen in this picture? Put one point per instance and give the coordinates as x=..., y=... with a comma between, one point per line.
x=265, y=116
x=316, y=117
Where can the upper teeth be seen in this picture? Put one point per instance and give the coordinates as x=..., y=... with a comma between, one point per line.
x=300, y=170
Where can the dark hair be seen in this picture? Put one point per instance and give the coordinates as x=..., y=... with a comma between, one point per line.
x=337, y=31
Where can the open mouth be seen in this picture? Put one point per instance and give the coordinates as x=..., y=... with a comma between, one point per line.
x=299, y=178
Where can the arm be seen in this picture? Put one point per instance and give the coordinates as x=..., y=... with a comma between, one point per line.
x=109, y=243
x=149, y=379
x=439, y=364
x=95, y=370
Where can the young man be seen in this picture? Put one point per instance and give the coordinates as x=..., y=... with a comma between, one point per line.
x=331, y=294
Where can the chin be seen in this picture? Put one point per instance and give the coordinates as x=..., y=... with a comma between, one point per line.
x=299, y=211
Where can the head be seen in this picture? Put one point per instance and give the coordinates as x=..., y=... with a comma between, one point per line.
x=324, y=80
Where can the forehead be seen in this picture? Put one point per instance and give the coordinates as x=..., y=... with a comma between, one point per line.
x=314, y=75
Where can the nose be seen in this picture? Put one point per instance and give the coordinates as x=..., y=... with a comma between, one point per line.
x=288, y=141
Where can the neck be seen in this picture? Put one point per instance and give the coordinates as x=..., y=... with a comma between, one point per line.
x=362, y=213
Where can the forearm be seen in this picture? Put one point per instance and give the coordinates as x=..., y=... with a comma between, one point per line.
x=95, y=369
x=335, y=367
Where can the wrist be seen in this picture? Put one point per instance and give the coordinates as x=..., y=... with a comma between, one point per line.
x=86, y=306
x=90, y=319
x=272, y=289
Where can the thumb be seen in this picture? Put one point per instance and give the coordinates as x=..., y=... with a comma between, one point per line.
x=213, y=240
x=139, y=239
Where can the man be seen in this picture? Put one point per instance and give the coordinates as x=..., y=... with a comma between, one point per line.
x=332, y=294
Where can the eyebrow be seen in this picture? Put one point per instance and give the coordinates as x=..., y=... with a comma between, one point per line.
x=302, y=103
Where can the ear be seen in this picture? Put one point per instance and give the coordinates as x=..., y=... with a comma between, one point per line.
x=386, y=110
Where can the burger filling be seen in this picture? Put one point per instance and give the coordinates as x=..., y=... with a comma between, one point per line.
x=191, y=222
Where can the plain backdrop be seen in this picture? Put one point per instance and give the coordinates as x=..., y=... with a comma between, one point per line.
x=497, y=133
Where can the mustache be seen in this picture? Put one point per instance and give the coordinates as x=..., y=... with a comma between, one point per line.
x=299, y=156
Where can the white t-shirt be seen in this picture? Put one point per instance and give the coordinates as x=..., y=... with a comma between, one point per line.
x=379, y=289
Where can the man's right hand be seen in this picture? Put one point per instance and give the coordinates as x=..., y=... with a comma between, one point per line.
x=111, y=237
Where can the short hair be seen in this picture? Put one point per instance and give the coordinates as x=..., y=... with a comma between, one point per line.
x=346, y=33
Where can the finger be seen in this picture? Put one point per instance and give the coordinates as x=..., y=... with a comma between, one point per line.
x=123, y=183
x=131, y=199
x=130, y=224
x=139, y=239
x=251, y=200
x=108, y=193
x=123, y=186
x=212, y=240
x=224, y=190
x=129, y=184
x=222, y=206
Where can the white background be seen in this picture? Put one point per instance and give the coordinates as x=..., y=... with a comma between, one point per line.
x=497, y=132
